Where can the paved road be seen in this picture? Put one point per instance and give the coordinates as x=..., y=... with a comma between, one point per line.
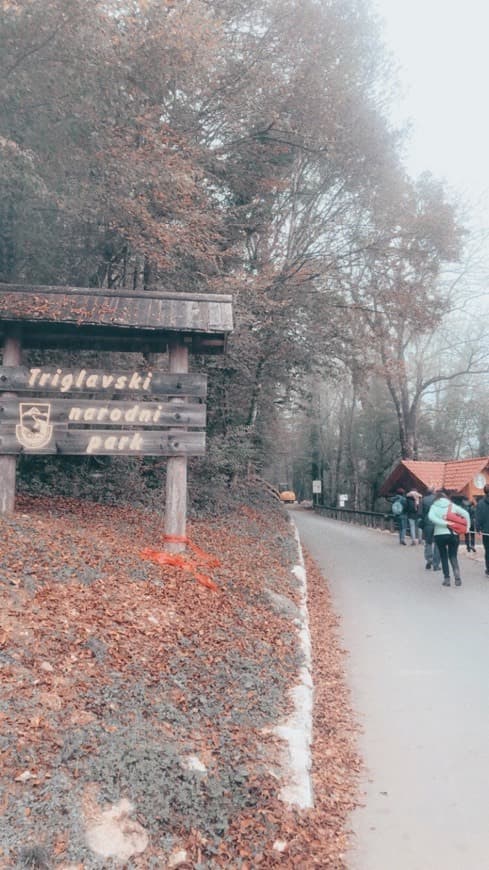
x=419, y=673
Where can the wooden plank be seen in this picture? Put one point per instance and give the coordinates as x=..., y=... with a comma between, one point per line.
x=109, y=442
x=108, y=338
x=195, y=314
x=77, y=413
x=111, y=337
x=176, y=471
x=153, y=293
x=11, y=356
x=176, y=315
x=214, y=316
x=77, y=380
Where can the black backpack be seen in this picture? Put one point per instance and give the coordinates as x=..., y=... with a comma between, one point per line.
x=412, y=505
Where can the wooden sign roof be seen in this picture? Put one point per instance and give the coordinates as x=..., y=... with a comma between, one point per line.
x=76, y=318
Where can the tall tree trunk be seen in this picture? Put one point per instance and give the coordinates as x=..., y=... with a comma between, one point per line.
x=338, y=463
x=352, y=459
x=7, y=243
x=255, y=394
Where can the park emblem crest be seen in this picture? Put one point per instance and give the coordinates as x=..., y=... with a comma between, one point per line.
x=34, y=430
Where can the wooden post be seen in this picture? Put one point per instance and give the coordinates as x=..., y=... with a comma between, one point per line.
x=8, y=464
x=176, y=472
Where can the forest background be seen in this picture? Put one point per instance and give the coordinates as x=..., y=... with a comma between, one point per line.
x=246, y=148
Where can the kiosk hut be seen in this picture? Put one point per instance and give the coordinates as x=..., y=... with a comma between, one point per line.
x=462, y=477
x=132, y=413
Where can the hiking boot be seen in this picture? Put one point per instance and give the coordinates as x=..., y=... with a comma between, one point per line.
x=458, y=581
x=428, y=566
x=446, y=581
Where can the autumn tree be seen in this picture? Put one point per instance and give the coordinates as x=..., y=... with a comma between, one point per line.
x=397, y=297
x=99, y=180
x=293, y=159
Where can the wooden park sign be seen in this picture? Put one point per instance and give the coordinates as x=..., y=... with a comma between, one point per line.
x=148, y=423
x=76, y=411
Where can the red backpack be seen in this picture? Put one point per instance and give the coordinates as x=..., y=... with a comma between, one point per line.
x=455, y=522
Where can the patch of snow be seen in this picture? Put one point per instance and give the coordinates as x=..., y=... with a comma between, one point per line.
x=25, y=777
x=296, y=731
x=47, y=666
x=177, y=858
x=112, y=834
x=192, y=762
x=280, y=845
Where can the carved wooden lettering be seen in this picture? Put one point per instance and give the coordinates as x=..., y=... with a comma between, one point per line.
x=108, y=442
x=85, y=412
x=140, y=412
x=67, y=381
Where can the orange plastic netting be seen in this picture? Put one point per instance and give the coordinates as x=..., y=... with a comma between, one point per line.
x=180, y=560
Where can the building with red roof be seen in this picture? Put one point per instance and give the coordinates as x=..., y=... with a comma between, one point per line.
x=460, y=476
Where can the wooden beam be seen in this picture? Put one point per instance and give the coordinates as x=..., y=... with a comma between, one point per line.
x=64, y=380
x=8, y=464
x=79, y=413
x=176, y=474
x=152, y=293
x=125, y=340
x=105, y=442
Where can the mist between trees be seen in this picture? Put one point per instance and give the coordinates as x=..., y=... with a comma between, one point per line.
x=244, y=147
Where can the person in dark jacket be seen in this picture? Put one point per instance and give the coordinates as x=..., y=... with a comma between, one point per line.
x=431, y=551
x=469, y=505
x=482, y=523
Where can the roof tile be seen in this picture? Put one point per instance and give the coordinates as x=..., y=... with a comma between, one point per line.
x=429, y=473
x=459, y=472
x=454, y=474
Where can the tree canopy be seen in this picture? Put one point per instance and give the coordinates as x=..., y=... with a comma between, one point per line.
x=235, y=147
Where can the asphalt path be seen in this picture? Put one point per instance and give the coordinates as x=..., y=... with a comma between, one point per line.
x=418, y=669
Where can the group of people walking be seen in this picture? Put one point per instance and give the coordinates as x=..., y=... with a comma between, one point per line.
x=438, y=522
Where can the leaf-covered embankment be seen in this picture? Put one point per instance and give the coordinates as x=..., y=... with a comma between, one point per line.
x=123, y=680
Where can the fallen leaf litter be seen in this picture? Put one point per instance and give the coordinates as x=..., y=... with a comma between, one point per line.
x=130, y=687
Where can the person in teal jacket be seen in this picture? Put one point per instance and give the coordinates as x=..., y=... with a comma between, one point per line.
x=446, y=540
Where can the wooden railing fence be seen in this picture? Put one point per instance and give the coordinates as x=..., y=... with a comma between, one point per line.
x=371, y=519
